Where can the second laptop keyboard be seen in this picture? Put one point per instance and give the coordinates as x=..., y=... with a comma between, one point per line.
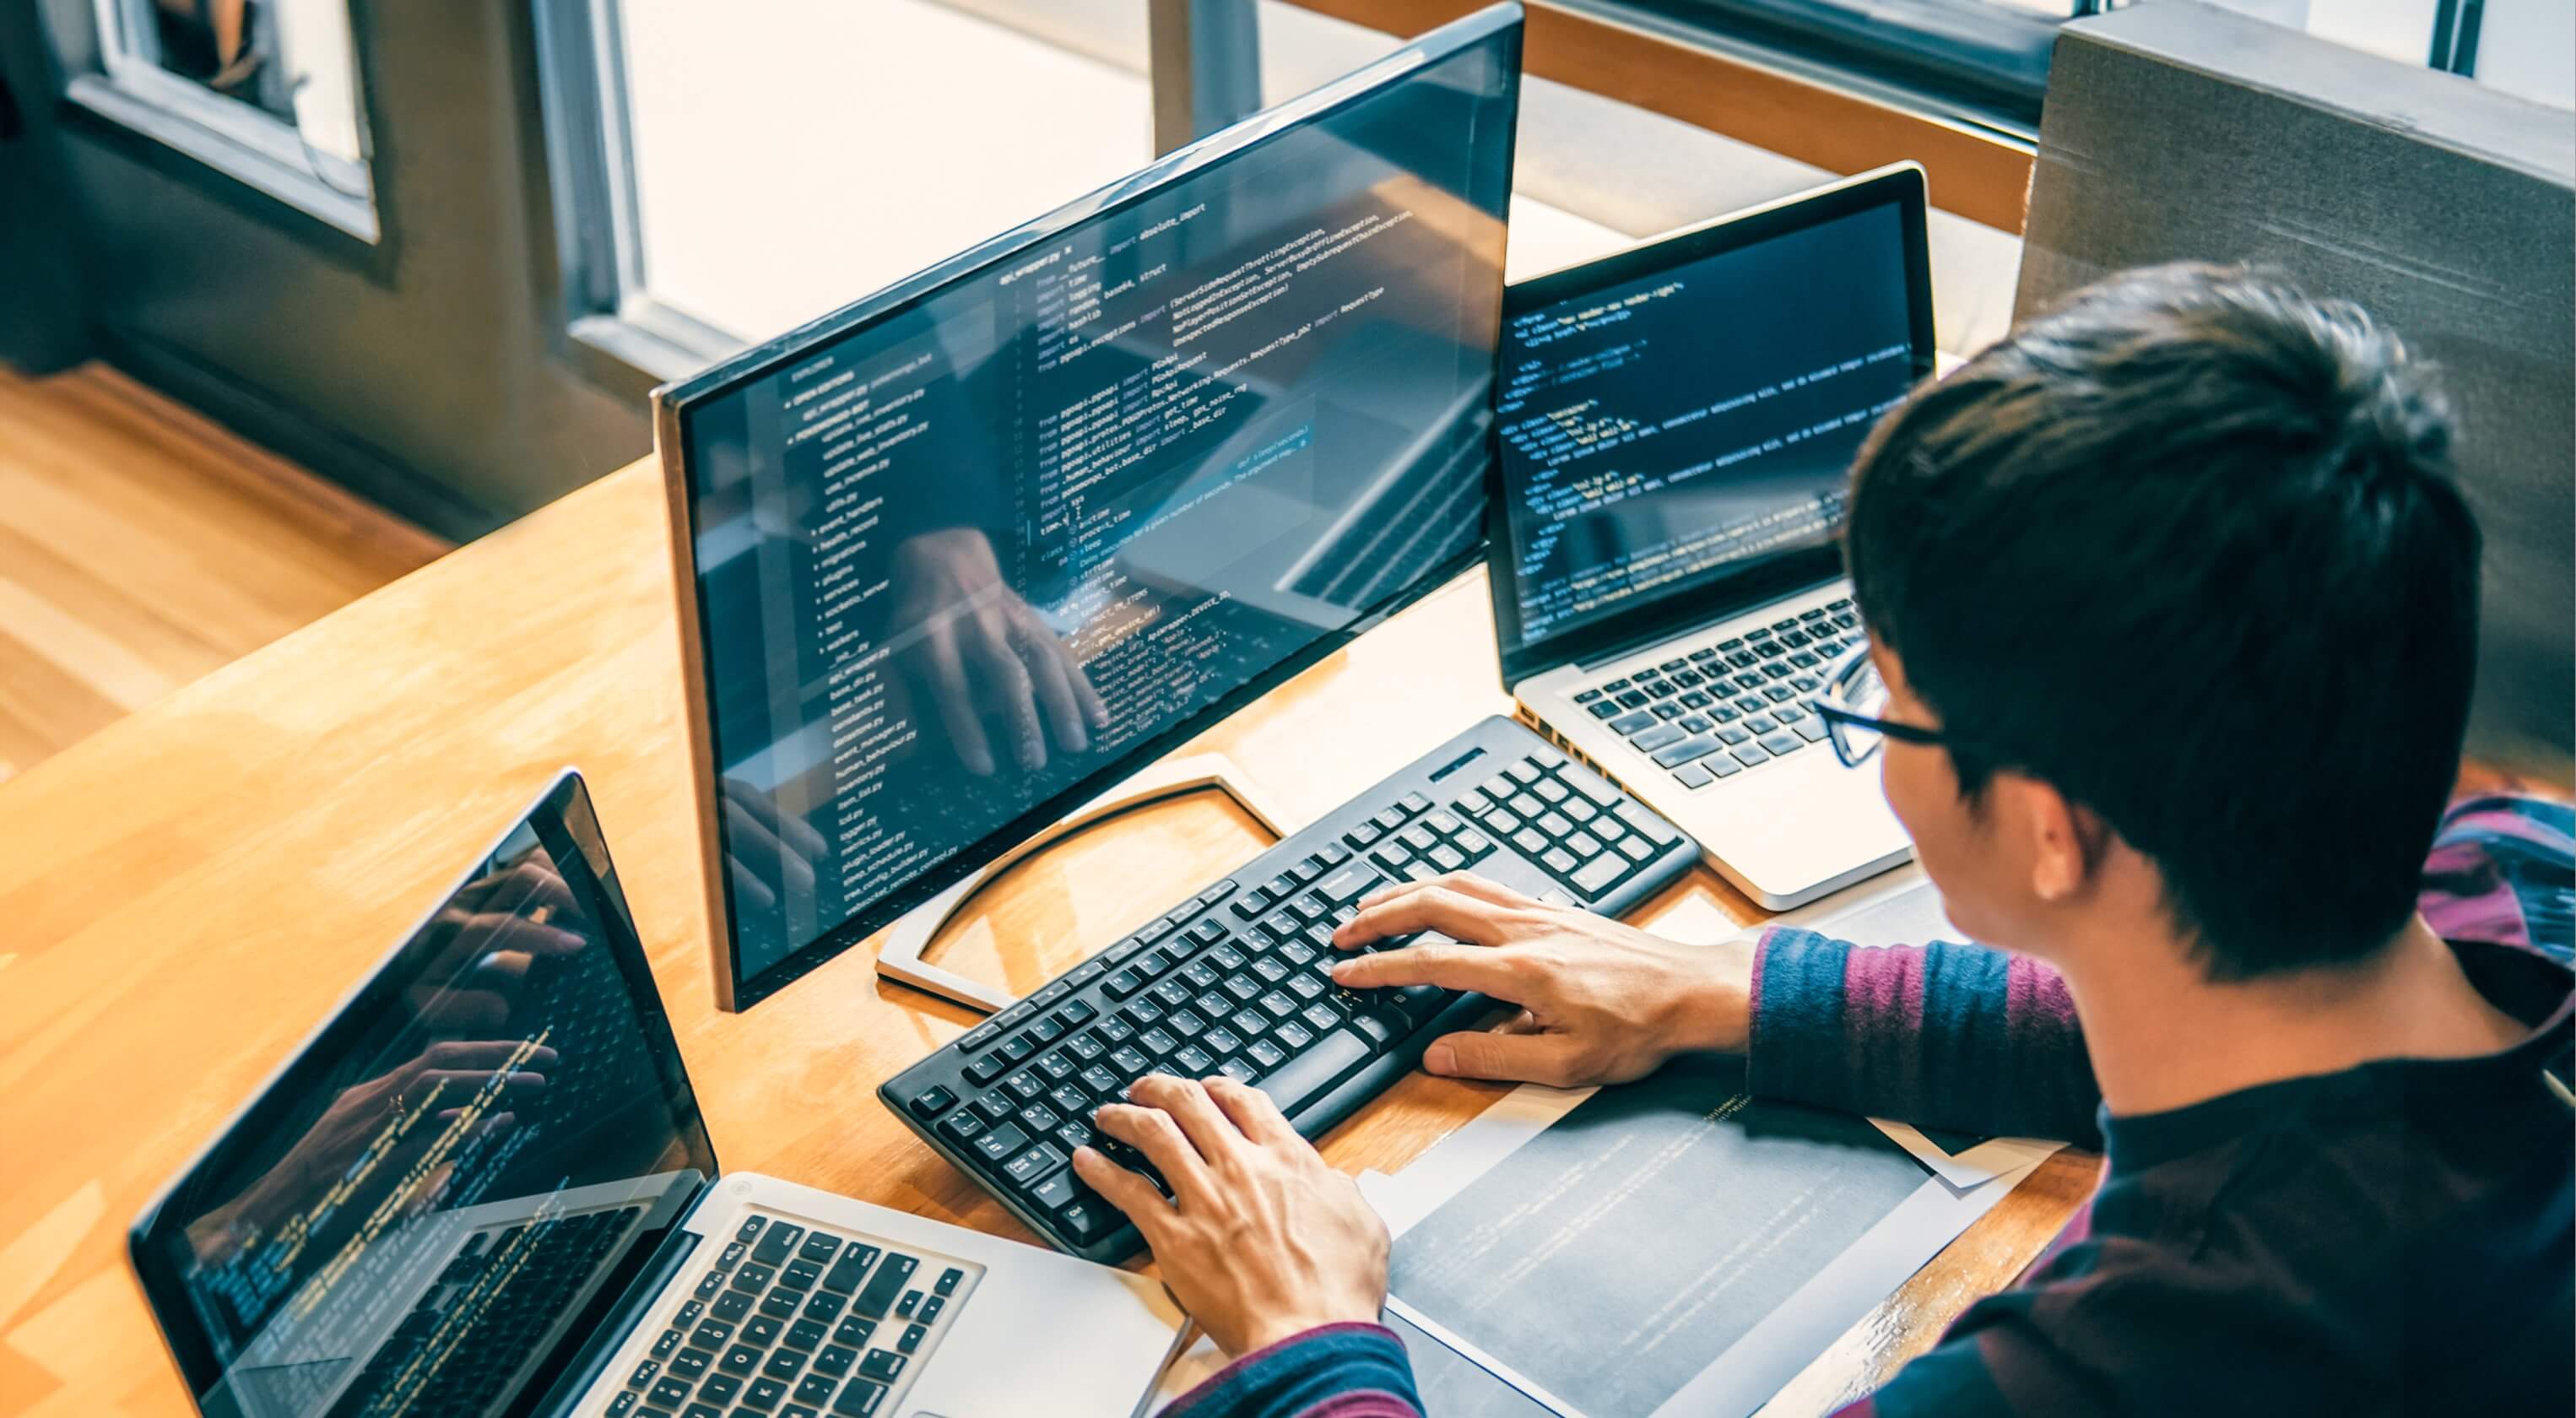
x=1715, y=711
x=1235, y=979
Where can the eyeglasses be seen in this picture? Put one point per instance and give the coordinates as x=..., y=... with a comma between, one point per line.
x=1853, y=703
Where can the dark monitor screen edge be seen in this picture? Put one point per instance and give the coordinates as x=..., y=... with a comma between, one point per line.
x=960, y=557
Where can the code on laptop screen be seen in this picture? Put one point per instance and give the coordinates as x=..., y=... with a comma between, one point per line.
x=1699, y=423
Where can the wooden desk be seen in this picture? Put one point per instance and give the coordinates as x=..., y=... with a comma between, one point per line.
x=184, y=896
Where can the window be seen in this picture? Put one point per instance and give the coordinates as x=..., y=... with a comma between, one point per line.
x=1986, y=61
x=736, y=170
x=264, y=90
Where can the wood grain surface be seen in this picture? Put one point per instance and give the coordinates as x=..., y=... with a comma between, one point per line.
x=142, y=546
x=184, y=895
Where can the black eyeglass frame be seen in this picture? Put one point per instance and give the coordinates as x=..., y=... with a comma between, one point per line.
x=1837, y=716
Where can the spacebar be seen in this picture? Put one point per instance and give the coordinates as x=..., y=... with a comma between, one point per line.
x=1318, y=1068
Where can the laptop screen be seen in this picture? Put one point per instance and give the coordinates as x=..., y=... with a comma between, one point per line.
x=1695, y=423
x=447, y=1186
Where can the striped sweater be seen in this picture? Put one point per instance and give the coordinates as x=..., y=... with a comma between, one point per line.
x=2395, y=1238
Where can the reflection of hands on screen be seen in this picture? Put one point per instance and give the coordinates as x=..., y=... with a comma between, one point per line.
x=484, y=941
x=439, y=1084
x=981, y=655
x=763, y=844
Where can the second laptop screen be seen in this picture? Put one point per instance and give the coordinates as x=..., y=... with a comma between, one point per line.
x=954, y=563
x=1663, y=434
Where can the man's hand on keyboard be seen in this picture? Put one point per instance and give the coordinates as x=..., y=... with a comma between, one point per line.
x=1600, y=1002
x=1262, y=1239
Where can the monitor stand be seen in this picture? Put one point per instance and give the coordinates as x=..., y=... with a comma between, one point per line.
x=900, y=959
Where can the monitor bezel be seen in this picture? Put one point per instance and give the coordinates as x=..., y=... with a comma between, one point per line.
x=565, y=803
x=673, y=403
x=1663, y=616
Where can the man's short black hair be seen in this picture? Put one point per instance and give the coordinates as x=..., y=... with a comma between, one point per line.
x=2188, y=549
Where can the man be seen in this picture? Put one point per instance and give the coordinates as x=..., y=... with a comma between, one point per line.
x=2174, y=605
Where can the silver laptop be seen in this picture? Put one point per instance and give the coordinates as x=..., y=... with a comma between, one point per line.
x=484, y=1188
x=1675, y=428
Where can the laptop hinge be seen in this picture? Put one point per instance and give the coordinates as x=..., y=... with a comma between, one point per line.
x=591, y=1359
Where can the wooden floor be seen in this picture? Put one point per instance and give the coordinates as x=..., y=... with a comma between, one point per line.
x=141, y=546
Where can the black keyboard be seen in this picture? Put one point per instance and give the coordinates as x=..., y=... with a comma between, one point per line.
x=1234, y=980
x=1715, y=711
x=795, y=1323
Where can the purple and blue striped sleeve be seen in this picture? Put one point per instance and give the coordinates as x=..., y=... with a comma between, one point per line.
x=1950, y=1036
x=1331, y=1371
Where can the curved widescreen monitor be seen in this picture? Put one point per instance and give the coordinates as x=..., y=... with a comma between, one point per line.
x=962, y=555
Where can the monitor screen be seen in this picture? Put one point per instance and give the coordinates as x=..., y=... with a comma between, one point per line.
x=968, y=553
x=440, y=1194
x=1697, y=423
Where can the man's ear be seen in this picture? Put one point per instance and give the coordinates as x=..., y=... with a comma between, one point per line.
x=2062, y=841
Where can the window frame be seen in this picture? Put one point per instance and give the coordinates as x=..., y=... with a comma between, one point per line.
x=128, y=87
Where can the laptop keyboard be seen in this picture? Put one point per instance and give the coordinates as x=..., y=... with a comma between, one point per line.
x=796, y=1323
x=1235, y=980
x=1711, y=713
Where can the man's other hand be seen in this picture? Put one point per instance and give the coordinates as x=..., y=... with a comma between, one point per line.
x=984, y=656
x=1261, y=1239
x=1600, y=1002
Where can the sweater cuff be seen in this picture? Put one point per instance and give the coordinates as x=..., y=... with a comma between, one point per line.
x=1346, y=1370
x=1795, y=1047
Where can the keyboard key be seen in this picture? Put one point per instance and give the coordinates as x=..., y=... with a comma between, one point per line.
x=859, y=1400
x=752, y=1278
x=777, y=1242
x=884, y=1286
x=731, y=1305
x=1313, y=1070
x=1812, y=730
x=1689, y=775
x=1599, y=874
x=1034, y=1165
x=719, y=1390
x=671, y=1392
x=1652, y=739
x=801, y=1275
x=931, y=1102
x=1352, y=882
x=948, y=1281
x=1558, y=861
x=1751, y=754
x=1781, y=744
x=1695, y=747
x=913, y=1334
x=1000, y=1145
x=781, y=1303
x=1641, y=819
x=822, y=1309
x=1055, y=1193
x=783, y=1364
